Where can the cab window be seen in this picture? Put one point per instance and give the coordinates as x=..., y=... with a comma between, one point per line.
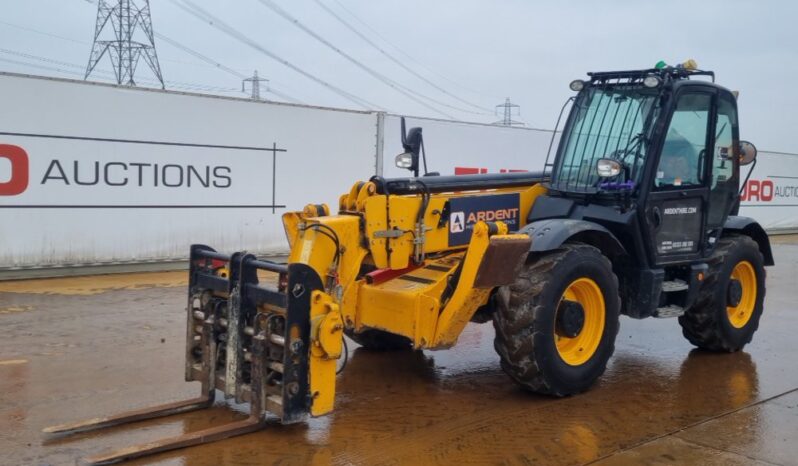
x=724, y=183
x=683, y=152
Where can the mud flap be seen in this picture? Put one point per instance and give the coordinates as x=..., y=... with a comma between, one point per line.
x=502, y=260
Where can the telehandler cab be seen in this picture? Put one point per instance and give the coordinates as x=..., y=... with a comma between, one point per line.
x=637, y=215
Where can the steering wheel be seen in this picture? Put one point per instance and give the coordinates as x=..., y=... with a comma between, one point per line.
x=621, y=155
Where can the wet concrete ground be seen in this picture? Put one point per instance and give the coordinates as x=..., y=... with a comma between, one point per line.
x=95, y=346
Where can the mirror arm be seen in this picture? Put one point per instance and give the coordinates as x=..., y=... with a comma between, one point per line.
x=424, y=157
x=751, y=170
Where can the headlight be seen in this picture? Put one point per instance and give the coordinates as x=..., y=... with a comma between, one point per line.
x=404, y=160
x=652, y=81
x=607, y=168
x=577, y=85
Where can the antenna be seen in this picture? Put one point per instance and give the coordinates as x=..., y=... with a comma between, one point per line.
x=129, y=20
x=255, y=81
x=510, y=109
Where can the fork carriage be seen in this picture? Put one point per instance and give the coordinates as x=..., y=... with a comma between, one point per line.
x=244, y=338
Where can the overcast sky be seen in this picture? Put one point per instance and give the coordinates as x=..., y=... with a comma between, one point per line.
x=480, y=52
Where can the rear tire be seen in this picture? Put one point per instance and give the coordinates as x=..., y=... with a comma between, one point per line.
x=378, y=340
x=711, y=323
x=532, y=337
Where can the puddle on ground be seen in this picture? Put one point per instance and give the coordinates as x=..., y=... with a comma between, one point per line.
x=123, y=350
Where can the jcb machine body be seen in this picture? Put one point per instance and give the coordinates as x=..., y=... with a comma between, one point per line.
x=637, y=214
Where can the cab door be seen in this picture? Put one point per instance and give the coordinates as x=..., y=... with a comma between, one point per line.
x=676, y=209
x=724, y=184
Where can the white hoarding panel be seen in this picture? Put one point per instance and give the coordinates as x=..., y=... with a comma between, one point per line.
x=771, y=193
x=456, y=147
x=96, y=173
x=103, y=174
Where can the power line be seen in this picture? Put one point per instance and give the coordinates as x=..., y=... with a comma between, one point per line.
x=82, y=42
x=220, y=66
x=36, y=57
x=44, y=67
x=108, y=74
x=25, y=28
x=410, y=94
x=407, y=55
x=209, y=18
x=202, y=57
x=209, y=61
x=171, y=84
x=284, y=96
x=175, y=84
x=201, y=14
x=396, y=60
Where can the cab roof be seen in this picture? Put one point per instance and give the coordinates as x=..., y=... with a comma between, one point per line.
x=666, y=74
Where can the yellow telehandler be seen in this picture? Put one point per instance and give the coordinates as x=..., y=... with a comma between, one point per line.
x=636, y=215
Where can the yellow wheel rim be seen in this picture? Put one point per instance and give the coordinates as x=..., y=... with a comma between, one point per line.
x=740, y=314
x=580, y=348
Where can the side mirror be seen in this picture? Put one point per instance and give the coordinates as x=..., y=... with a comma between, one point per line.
x=747, y=152
x=413, y=144
x=607, y=168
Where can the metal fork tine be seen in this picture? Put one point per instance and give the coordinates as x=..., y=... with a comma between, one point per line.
x=203, y=401
x=212, y=434
x=254, y=422
x=132, y=416
x=207, y=338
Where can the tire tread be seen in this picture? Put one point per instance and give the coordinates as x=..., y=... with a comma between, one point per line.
x=517, y=322
x=700, y=323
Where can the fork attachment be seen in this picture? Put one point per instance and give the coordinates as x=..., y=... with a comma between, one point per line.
x=243, y=338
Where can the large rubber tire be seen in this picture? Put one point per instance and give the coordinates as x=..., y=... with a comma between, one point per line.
x=707, y=324
x=378, y=340
x=525, y=317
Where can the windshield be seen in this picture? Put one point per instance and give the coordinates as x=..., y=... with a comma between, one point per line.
x=605, y=122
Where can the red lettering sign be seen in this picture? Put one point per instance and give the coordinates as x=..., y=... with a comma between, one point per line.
x=758, y=190
x=469, y=170
x=476, y=171
x=18, y=182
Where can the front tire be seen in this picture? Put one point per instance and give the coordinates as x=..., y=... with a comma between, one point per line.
x=727, y=310
x=556, y=324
